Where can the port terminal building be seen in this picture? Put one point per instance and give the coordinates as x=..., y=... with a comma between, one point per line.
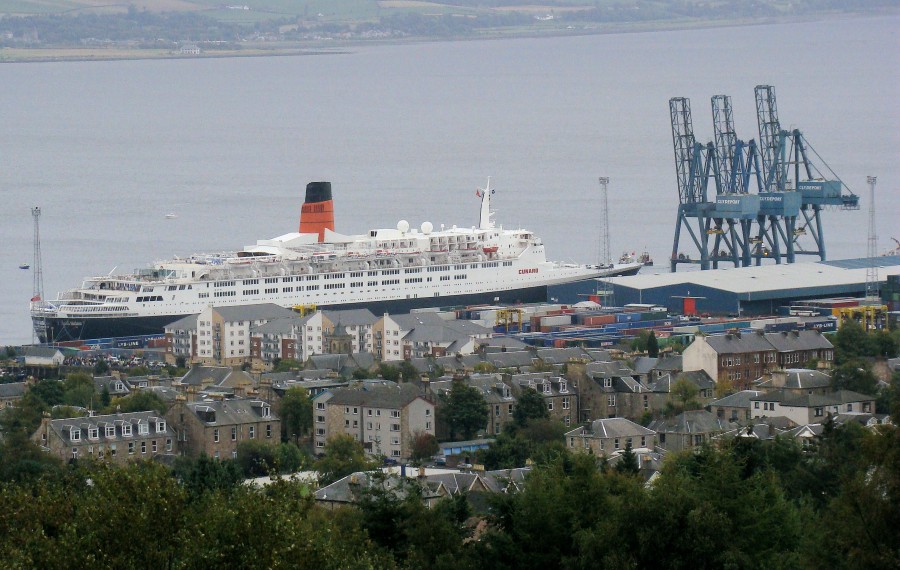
x=750, y=291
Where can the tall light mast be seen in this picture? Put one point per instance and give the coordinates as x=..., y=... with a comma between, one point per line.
x=37, y=291
x=605, y=257
x=872, y=251
x=38, y=288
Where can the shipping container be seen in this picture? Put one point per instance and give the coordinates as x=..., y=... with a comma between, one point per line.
x=556, y=320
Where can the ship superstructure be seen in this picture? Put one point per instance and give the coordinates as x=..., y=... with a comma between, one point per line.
x=392, y=269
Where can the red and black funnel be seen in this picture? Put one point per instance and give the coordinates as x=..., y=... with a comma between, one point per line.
x=318, y=210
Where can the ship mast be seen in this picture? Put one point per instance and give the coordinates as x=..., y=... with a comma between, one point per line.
x=485, y=222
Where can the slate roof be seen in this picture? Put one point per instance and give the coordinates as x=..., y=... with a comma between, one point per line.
x=798, y=340
x=187, y=323
x=60, y=427
x=257, y=312
x=737, y=400
x=670, y=363
x=644, y=364
x=351, y=317
x=801, y=378
x=199, y=375
x=280, y=326
x=13, y=389
x=608, y=369
x=394, y=397
x=813, y=400
x=39, y=351
x=501, y=344
x=738, y=343
x=349, y=489
x=514, y=359
x=693, y=421
x=110, y=383
x=506, y=480
x=562, y=355
x=611, y=428
x=231, y=412
x=698, y=378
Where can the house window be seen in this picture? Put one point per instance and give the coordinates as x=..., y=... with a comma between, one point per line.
x=698, y=439
x=608, y=383
x=497, y=410
x=369, y=413
x=130, y=448
x=611, y=400
x=755, y=405
x=320, y=419
x=395, y=413
x=395, y=427
x=269, y=431
x=643, y=441
x=216, y=435
x=320, y=431
x=153, y=446
x=550, y=406
x=818, y=412
x=168, y=444
x=849, y=407
x=616, y=443
x=233, y=433
x=866, y=407
x=395, y=453
x=320, y=405
x=565, y=403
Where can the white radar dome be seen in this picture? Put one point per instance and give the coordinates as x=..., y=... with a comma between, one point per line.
x=427, y=227
x=403, y=226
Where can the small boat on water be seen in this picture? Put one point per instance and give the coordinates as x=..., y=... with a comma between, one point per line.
x=24, y=266
x=171, y=216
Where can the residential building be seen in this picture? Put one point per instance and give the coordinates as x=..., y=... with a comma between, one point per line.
x=498, y=395
x=217, y=427
x=384, y=418
x=611, y=391
x=810, y=408
x=558, y=393
x=11, y=392
x=734, y=407
x=798, y=381
x=733, y=360
x=117, y=438
x=689, y=429
x=610, y=435
x=796, y=348
x=402, y=337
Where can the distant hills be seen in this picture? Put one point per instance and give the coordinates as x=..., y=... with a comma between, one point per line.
x=217, y=24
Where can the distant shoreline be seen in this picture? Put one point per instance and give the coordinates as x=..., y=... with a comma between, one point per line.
x=344, y=46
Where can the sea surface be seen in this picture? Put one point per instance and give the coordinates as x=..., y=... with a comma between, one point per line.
x=107, y=149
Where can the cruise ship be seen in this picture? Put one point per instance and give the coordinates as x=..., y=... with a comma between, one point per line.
x=384, y=270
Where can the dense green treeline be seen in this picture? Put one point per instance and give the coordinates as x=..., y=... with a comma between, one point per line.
x=749, y=504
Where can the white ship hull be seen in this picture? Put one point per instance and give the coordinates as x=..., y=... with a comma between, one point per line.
x=393, y=269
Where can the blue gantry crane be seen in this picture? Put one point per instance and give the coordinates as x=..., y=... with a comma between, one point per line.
x=748, y=226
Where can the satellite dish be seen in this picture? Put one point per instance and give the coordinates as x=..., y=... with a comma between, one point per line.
x=403, y=226
x=427, y=227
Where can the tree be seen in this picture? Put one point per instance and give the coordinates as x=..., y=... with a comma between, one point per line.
x=856, y=375
x=139, y=401
x=286, y=365
x=296, y=411
x=343, y=456
x=850, y=341
x=529, y=406
x=652, y=345
x=628, y=463
x=408, y=372
x=101, y=368
x=206, y=475
x=50, y=392
x=256, y=458
x=682, y=396
x=104, y=397
x=464, y=410
x=424, y=446
x=389, y=372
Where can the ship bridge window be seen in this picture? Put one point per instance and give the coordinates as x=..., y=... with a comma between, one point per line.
x=181, y=287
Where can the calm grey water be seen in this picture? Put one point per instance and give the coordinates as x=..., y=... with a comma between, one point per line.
x=106, y=149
